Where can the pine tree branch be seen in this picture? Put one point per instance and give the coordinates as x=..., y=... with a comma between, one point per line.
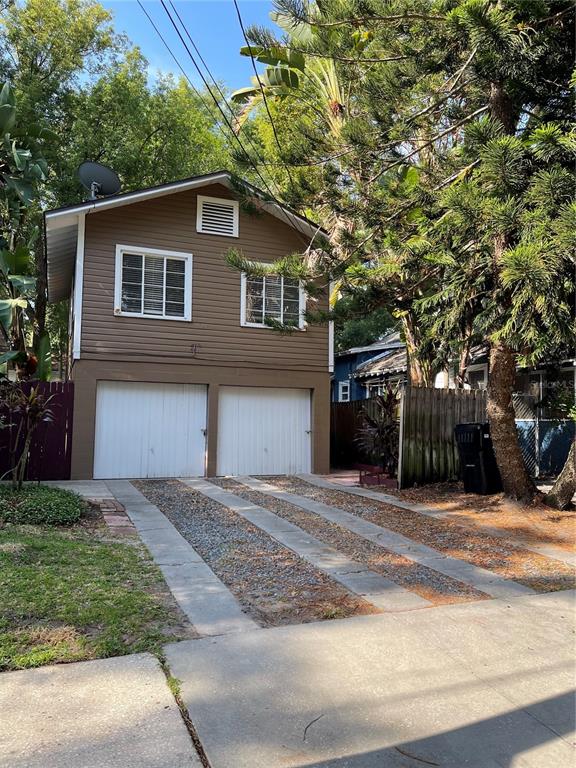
x=429, y=143
x=351, y=59
x=462, y=69
x=441, y=101
x=555, y=16
x=358, y=20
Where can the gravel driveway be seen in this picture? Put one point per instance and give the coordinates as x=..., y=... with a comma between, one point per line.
x=272, y=583
x=426, y=582
x=473, y=546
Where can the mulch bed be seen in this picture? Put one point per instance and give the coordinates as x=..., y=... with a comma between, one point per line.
x=474, y=546
x=272, y=583
x=424, y=581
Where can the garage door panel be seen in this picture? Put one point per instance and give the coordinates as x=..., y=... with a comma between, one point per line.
x=263, y=430
x=149, y=430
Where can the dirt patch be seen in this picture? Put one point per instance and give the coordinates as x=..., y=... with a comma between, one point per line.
x=471, y=545
x=534, y=523
x=424, y=581
x=272, y=583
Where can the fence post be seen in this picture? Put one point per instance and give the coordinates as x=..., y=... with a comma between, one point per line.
x=401, y=436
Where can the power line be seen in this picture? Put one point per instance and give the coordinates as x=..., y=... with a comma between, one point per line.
x=214, y=99
x=213, y=79
x=265, y=100
x=293, y=222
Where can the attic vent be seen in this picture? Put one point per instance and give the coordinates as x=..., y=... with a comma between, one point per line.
x=217, y=216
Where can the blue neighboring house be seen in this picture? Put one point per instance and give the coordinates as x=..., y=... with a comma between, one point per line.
x=348, y=383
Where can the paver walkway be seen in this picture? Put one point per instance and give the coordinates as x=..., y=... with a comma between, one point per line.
x=111, y=713
x=480, y=578
x=378, y=590
x=208, y=603
x=477, y=685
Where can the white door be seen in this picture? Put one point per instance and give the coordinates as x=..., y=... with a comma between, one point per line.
x=263, y=431
x=149, y=430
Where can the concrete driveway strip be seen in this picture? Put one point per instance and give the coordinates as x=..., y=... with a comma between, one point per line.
x=376, y=589
x=204, y=598
x=111, y=713
x=548, y=550
x=464, y=686
x=480, y=578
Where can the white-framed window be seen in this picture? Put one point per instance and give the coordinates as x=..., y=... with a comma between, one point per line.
x=217, y=216
x=272, y=296
x=477, y=377
x=153, y=283
x=343, y=391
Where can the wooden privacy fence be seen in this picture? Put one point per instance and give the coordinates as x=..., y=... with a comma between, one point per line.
x=345, y=423
x=51, y=446
x=428, y=452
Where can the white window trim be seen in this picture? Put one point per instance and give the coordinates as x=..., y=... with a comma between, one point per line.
x=78, y=288
x=145, y=251
x=474, y=369
x=243, y=322
x=204, y=198
x=341, y=385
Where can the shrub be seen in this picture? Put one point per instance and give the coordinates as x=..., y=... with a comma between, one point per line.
x=40, y=505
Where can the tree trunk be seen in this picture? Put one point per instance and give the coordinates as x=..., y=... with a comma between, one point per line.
x=516, y=481
x=416, y=371
x=564, y=488
x=41, y=290
x=463, y=363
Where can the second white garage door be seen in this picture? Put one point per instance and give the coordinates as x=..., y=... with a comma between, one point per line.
x=149, y=430
x=263, y=431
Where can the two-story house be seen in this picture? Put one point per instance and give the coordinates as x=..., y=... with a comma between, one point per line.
x=175, y=371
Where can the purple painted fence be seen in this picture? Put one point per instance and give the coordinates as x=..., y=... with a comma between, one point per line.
x=51, y=447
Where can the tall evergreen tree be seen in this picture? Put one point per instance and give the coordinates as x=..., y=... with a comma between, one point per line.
x=450, y=177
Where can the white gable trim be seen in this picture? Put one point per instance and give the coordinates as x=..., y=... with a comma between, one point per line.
x=78, y=285
x=61, y=217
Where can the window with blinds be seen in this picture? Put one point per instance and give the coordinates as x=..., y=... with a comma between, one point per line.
x=273, y=296
x=153, y=284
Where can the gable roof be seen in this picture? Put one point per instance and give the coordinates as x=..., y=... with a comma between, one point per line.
x=389, y=341
x=390, y=362
x=61, y=224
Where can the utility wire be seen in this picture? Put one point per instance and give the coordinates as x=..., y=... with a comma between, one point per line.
x=294, y=223
x=262, y=91
x=213, y=79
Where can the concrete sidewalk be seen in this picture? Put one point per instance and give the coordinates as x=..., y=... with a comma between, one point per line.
x=111, y=713
x=480, y=685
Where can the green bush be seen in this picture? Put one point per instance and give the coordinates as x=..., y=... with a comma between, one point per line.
x=40, y=505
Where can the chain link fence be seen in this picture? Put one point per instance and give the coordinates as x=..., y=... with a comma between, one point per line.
x=544, y=440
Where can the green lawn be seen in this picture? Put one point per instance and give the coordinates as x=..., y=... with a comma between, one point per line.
x=67, y=595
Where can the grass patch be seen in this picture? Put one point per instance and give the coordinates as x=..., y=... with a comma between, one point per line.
x=67, y=595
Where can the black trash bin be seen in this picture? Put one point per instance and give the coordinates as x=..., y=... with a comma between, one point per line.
x=478, y=468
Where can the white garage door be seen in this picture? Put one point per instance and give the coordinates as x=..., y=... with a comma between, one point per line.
x=263, y=431
x=149, y=430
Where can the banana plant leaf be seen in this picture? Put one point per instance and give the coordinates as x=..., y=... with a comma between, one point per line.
x=276, y=55
x=244, y=94
x=7, y=308
x=44, y=355
x=7, y=356
x=24, y=283
x=7, y=118
x=15, y=262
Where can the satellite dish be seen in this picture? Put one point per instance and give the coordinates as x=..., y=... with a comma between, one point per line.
x=98, y=179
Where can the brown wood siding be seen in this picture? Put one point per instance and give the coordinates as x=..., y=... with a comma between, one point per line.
x=169, y=223
x=87, y=374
